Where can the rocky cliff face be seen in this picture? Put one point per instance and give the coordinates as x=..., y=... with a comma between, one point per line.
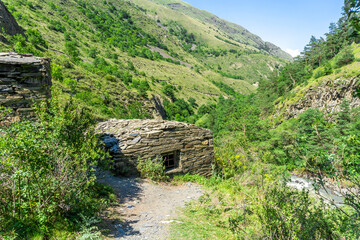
x=8, y=24
x=327, y=96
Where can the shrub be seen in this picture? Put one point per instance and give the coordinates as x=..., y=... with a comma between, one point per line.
x=71, y=83
x=152, y=169
x=344, y=57
x=35, y=38
x=21, y=45
x=57, y=26
x=72, y=51
x=169, y=90
x=93, y=52
x=292, y=214
x=142, y=86
x=46, y=169
x=323, y=71
x=56, y=72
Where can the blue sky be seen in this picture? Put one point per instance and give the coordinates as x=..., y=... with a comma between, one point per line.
x=288, y=24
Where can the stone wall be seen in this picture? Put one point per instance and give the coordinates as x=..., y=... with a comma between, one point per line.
x=23, y=78
x=130, y=140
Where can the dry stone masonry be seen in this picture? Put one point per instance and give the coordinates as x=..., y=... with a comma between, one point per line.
x=184, y=148
x=23, y=78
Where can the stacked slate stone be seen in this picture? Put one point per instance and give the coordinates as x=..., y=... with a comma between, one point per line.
x=23, y=79
x=130, y=141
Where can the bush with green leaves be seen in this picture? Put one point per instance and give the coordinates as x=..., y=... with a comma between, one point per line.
x=169, y=90
x=142, y=86
x=152, y=169
x=72, y=50
x=291, y=214
x=57, y=72
x=179, y=110
x=344, y=57
x=47, y=170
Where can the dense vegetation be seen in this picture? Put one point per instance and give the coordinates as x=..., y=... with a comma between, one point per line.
x=255, y=151
x=47, y=181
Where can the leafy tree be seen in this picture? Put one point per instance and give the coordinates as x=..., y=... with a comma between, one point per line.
x=352, y=8
x=192, y=102
x=35, y=38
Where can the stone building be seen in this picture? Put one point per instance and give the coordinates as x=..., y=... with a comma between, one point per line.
x=184, y=148
x=23, y=78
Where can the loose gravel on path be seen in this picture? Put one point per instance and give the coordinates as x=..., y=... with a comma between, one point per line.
x=146, y=209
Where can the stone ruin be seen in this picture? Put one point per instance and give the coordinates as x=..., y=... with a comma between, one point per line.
x=23, y=79
x=184, y=148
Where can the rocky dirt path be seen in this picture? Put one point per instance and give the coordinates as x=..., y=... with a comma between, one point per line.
x=145, y=209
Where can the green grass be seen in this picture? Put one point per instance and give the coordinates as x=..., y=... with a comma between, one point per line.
x=224, y=201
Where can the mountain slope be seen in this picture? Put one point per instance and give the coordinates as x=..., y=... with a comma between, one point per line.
x=234, y=31
x=117, y=59
x=211, y=44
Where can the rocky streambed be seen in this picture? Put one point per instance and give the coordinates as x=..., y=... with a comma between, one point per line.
x=329, y=195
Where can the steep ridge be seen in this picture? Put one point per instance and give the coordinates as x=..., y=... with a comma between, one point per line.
x=208, y=39
x=233, y=31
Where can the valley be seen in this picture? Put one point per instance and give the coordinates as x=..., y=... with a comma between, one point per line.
x=274, y=120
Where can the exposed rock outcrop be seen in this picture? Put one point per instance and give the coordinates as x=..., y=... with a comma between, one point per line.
x=23, y=78
x=8, y=23
x=185, y=148
x=159, y=111
x=326, y=96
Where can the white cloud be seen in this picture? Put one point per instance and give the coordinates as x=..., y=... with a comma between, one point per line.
x=292, y=52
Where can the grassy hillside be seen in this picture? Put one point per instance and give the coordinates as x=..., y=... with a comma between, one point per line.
x=325, y=89
x=220, y=45
x=117, y=57
x=231, y=30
